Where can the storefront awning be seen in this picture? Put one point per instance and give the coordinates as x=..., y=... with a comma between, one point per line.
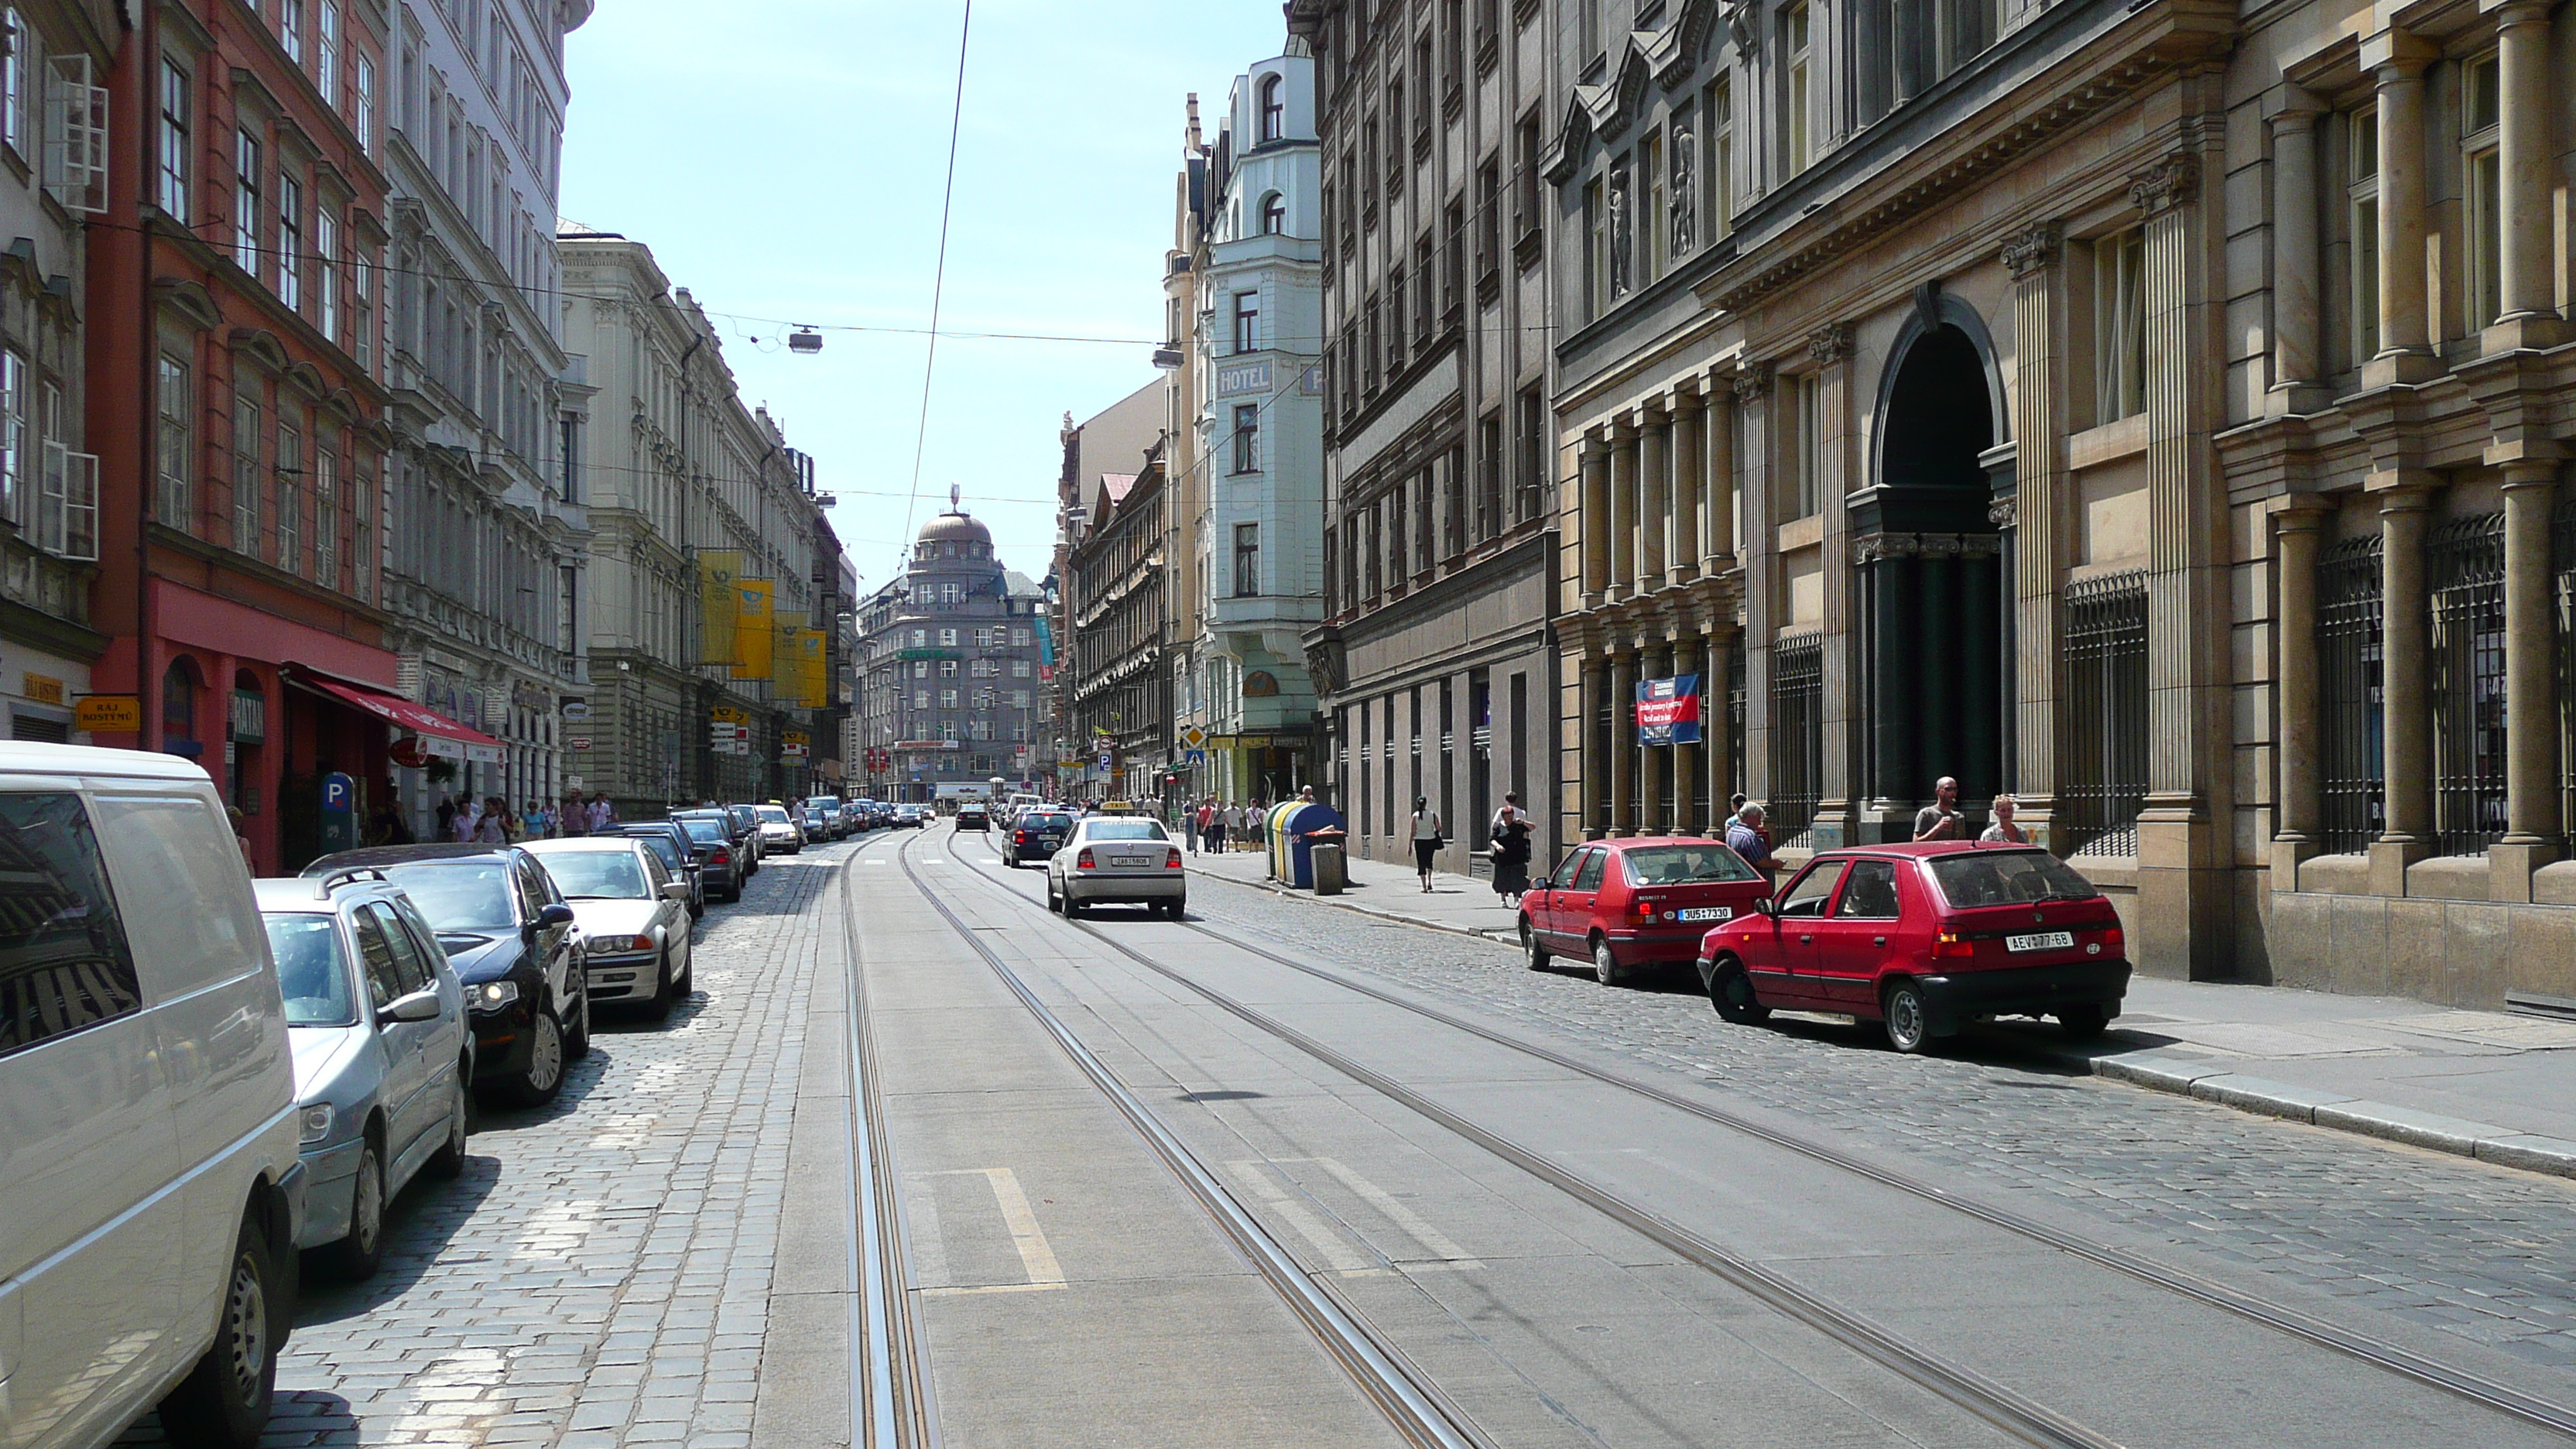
x=439, y=735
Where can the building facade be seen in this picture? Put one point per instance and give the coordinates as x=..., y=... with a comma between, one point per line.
x=233, y=497
x=2157, y=412
x=1432, y=662
x=692, y=498
x=1114, y=443
x=1258, y=484
x=487, y=535
x=1120, y=725
x=950, y=694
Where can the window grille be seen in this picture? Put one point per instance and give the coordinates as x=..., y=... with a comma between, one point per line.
x=1797, y=737
x=2349, y=684
x=2467, y=567
x=2105, y=784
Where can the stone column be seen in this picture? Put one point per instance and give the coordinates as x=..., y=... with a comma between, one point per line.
x=2406, y=708
x=1716, y=728
x=2297, y=312
x=1654, y=497
x=1688, y=651
x=2397, y=60
x=1623, y=738
x=2528, y=288
x=1829, y=348
x=1690, y=485
x=1652, y=760
x=1595, y=791
x=1593, y=521
x=1717, y=508
x=2297, y=809
x=2040, y=542
x=2532, y=812
x=1623, y=511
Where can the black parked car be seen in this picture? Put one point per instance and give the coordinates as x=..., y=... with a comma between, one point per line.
x=719, y=854
x=1037, y=836
x=509, y=934
x=746, y=837
x=680, y=856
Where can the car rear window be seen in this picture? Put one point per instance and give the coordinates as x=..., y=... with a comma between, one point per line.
x=1047, y=822
x=1709, y=864
x=2007, y=877
x=311, y=970
x=470, y=895
x=702, y=829
x=1127, y=830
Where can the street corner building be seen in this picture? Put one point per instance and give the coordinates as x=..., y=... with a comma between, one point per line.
x=1432, y=662
x=2156, y=411
x=950, y=694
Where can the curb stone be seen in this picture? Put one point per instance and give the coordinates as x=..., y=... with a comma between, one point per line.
x=2187, y=1077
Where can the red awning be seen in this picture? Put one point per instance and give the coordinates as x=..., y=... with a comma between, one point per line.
x=442, y=736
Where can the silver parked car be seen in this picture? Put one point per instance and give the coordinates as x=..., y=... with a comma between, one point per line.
x=633, y=915
x=1118, y=858
x=383, y=1056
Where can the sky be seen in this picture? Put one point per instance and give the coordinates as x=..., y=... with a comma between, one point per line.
x=786, y=166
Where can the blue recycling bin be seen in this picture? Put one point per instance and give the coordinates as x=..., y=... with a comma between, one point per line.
x=1292, y=830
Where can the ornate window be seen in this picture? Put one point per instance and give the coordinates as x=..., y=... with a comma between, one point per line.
x=2350, y=685
x=2467, y=568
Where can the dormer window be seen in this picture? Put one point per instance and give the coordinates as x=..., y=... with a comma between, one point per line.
x=1274, y=109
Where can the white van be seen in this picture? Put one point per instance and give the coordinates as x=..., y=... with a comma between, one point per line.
x=150, y=1193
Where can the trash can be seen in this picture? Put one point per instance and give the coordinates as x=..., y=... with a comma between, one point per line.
x=1330, y=875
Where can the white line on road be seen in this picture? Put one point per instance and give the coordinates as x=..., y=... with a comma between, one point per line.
x=1036, y=1255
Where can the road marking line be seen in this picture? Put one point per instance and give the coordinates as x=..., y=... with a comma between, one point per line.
x=1036, y=1255
x=1339, y=1257
x=1434, y=1242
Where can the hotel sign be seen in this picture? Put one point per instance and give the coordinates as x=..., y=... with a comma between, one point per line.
x=1249, y=377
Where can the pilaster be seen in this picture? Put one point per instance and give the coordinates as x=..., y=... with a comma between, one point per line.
x=2041, y=543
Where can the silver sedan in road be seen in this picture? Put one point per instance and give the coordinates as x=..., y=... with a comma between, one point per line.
x=1118, y=858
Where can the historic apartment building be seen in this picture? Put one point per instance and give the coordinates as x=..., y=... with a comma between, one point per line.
x=1115, y=441
x=949, y=690
x=488, y=534
x=1433, y=662
x=1115, y=585
x=2152, y=412
x=1257, y=489
x=676, y=474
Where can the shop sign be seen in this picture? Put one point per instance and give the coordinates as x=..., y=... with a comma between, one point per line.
x=44, y=690
x=1260, y=684
x=109, y=713
x=1249, y=377
x=576, y=708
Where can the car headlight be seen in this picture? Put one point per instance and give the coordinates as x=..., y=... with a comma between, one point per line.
x=492, y=995
x=314, y=1123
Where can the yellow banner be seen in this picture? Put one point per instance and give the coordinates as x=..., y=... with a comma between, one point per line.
x=721, y=602
x=783, y=624
x=751, y=629
x=809, y=668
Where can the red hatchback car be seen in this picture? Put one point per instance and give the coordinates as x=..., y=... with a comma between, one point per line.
x=1925, y=938
x=1632, y=903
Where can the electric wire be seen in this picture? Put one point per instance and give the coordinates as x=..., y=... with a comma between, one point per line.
x=939, y=274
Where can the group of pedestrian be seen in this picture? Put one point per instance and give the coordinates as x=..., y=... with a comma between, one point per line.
x=490, y=820
x=1941, y=819
x=1216, y=822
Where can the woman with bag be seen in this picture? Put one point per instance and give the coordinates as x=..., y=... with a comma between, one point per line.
x=1510, y=833
x=1427, y=839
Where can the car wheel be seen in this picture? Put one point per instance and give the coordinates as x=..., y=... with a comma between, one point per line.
x=659, y=1007
x=1731, y=989
x=356, y=1256
x=544, y=1077
x=449, y=1161
x=577, y=1040
x=1605, y=965
x=1907, y=1025
x=1054, y=906
x=2083, y=1023
x=1530, y=945
x=223, y=1402
x=687, y=985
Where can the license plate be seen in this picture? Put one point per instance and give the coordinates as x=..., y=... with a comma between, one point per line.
x=2041, y=941
x=1131, y=862
x=1705, y=913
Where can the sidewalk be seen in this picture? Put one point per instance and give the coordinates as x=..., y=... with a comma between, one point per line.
x=2483, y=1084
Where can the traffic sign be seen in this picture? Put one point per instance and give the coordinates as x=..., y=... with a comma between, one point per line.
x=578, y=742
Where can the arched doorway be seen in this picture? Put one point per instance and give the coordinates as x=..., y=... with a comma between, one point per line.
x=1932, y=601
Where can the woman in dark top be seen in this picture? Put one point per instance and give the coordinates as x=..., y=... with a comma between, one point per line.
x=1510, y=832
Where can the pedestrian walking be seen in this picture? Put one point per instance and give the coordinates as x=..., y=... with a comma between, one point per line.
x=601, y=812
x=446, y=817
x=1508, y=835
x=241, y=837
x=1427, y=839
x=1939, y=820
x=492, y=826
x=2003, y=831
x=1747, y=838
x=1215, y=832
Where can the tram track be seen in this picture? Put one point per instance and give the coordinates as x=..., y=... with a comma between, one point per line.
x=2485, y=1393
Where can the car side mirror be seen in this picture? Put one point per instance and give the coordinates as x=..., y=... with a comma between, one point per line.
x=552, y=915
x=1541, y=884
x=1766, y=906
x=675, y=890
x=418, y=1006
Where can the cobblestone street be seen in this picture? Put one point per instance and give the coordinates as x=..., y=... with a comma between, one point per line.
x=600, y=1274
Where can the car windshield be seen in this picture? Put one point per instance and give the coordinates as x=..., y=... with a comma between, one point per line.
x=597, y=875
x=774, y=814
x=703, y=829
x=459, y=895
x=1127, y=830
x=312, y=970
x=664, y=846
x=1976, y=878
x=1709, y=864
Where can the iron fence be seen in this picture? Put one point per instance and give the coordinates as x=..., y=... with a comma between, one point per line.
x=1797, y=737
x=2466, y=560
x=2350, y=681
x=2105, y=784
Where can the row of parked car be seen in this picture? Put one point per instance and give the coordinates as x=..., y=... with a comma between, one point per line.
x=202, y=1076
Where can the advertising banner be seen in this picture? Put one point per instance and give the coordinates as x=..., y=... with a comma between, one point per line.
x=751, y=629
x=784, y=676
x=1046, y=647
x=1668, y=710
x=808, y=654
x=718, y=598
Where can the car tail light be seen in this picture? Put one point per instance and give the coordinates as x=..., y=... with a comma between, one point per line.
x=2113, y=939
x=1172, y=861
x=1019, y=837
x=720, y=856
x=1952, y=944
x=1083, y=861
x=1643, y=908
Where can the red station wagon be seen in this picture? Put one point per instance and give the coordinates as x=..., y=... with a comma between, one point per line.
x=1632, y=903
x=1924, y=938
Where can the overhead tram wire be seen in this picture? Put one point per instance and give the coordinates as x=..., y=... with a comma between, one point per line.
x=939, y=274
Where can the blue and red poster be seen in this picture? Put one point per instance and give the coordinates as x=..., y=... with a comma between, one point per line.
x=1668, y=710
